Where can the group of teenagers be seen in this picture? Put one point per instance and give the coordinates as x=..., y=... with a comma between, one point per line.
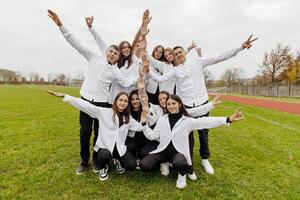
x=144, y=108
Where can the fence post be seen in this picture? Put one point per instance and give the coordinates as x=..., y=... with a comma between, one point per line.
x=289, y=89
x=277, y=88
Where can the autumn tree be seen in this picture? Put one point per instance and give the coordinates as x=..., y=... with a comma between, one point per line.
x=275, y=63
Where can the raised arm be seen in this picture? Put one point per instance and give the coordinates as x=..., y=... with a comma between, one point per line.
x=204, y=109
x=212, y=122
x=165, y=77
x=228, y=54
x=71, y=39
x=80, y=104
x=100, y=42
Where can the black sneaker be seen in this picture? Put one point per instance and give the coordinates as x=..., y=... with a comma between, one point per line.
x=103, y=175
x=96, y=168
x=81, y=168
x=119, y=168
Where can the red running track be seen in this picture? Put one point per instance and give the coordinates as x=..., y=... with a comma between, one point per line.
x=275, y=105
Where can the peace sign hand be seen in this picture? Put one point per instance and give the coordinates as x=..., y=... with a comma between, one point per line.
x=145, y=21
x=54, y=17
x=89, y=21
x=237, y=115
x=216, y=100
x=247, y=44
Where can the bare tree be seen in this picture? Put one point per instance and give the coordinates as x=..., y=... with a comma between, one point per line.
x=49, y=77
x=232, y=75
x=275, y=62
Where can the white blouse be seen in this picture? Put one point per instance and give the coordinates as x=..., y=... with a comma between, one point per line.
x=110, y=134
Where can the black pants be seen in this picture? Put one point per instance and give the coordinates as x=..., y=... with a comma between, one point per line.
x=169, y=154
x=153, y=98
x=87, y=124
x=127, y=160
x=203, y=140
x=143, y=145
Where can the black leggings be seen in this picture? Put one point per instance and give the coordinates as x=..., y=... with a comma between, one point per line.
x=169, y=154
x=127, y=160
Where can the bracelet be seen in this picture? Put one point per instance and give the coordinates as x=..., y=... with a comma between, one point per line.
x=228, y=120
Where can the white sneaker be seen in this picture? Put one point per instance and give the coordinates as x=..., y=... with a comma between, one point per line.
x=119, y=168
x=181, y=181
x=164, y=168
x=103, y=175
x=192, y=176
x=207, y=166
x=138, y=164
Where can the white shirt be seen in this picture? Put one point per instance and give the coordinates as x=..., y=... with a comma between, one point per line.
x=110, y=134
x=183, y=84
x=100, y=73
x=132, y=73
x=163, y=68
x=179, y=135
x=196, y=67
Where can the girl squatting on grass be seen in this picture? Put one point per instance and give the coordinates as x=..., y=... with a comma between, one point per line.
x=172, y=131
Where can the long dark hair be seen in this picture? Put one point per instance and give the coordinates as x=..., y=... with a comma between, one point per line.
x=162, y=58
x=126, y=111
x=122, y=59
x=135, y=92
x=182, y=109
x=171, y=51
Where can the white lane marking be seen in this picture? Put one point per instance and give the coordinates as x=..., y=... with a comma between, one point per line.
x=273, y=122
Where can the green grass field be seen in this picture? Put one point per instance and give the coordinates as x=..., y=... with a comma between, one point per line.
x=258, y=158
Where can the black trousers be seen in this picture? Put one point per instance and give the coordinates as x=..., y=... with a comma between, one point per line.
x=203, y=140
x=169, y=154
x=87, y=125
x=104, y=156
x=140, y=146
x=153, y=98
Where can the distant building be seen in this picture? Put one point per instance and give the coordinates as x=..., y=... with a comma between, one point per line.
x=75, y=83
x=9, y=75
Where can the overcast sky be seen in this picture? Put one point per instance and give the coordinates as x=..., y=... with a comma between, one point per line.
x=30, y=41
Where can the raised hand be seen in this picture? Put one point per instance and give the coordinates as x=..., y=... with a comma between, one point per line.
x=216, y=100
x=144, y=115
x=145, y=21
x=199, y=51
x=193, y=45
x=57, y=94
x=89, y=21
x=237, y=115
x=248, y=43
x=54, y=17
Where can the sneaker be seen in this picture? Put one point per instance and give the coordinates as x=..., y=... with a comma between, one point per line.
x=103, y=175
x=119, y=168
x=164, y=168
x=207, y=166
x=138, y=164
x=181, y=181
x=96, y=168
x=192, y=176
x=81, y=168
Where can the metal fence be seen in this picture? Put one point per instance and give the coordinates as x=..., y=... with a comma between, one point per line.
x=274, y=90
